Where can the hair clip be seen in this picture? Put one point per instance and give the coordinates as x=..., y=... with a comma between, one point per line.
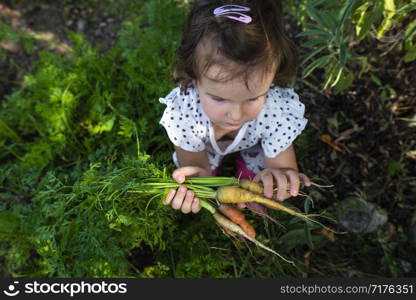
x=233, y=12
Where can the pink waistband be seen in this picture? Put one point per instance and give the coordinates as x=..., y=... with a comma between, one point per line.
x=242, y=171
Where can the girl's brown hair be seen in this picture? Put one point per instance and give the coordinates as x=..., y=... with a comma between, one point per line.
x=260, y=43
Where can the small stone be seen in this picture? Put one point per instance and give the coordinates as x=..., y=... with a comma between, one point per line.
x=360, y=216
x=80, y=26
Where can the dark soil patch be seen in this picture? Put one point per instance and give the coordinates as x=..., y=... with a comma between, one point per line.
x=374, y=125
x=48, y=23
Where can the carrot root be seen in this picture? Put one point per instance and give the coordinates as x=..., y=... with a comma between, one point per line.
x=236, y=216
x=232, y=213
x=251, y=186
x=229, y=225
x=235, y=194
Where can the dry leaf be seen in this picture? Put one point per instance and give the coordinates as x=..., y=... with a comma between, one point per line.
x=411, y=154
x=326, y=138
x=307, y=258
x=328, y=234
x=345, y=135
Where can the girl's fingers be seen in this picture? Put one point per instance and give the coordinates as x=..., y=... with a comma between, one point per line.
x=294, y=182
x=178, y=199
x=241, y=205
x=257, y=178
x=180, y=174
x=169, y=197
x=196, y=206
x=281, y=185
x=305, y=179
x=187, y=203
x=267, y=179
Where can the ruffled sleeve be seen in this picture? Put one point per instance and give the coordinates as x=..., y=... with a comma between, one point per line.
x=282, y=120
x=182, y=121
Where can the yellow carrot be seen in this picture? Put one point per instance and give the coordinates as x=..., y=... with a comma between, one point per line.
x=258, y=188
x=251, y=186
x=254, y=187
x=235, y=194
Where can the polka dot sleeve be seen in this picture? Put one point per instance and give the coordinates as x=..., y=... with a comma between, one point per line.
x=283, y=120
x=182, y=122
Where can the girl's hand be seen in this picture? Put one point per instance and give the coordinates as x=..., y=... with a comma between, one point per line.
x=182, y=198
x=287, y=182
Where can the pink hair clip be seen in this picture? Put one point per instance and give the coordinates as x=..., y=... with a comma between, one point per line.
x=233, y=12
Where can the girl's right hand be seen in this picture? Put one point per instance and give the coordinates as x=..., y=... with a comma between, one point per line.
x=182, y=198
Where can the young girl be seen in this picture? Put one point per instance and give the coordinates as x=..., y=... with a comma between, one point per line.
x=234, y=63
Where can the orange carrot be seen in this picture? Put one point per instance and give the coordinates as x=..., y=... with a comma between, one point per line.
x=247, y=228
x=237, y=217
x=226, y=223
x=232, y=213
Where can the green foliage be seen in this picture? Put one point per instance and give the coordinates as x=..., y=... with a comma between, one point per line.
x=84, y=228
x=63, y=218
x=77, y=136
x=332, y=29
x=12, y=36
x=72, y=103
x=148, y=56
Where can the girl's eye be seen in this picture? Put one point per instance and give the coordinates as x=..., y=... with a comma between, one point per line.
x=254, y=99
x=218, y=99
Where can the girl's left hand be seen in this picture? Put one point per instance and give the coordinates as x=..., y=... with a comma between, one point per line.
x=287, y=182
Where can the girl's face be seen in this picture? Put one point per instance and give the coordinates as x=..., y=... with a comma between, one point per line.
x=230, y=104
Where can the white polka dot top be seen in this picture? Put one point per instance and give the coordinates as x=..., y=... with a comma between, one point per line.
x=278, y=124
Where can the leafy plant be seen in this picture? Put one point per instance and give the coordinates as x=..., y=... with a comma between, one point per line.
x=332, y=28
x=69, y=153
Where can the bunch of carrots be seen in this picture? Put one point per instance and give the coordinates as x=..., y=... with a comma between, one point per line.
x=229, y=190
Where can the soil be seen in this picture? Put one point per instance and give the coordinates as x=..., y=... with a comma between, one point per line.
x=49, y=21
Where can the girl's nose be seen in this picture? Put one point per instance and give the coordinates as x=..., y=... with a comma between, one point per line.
x=236, y=114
